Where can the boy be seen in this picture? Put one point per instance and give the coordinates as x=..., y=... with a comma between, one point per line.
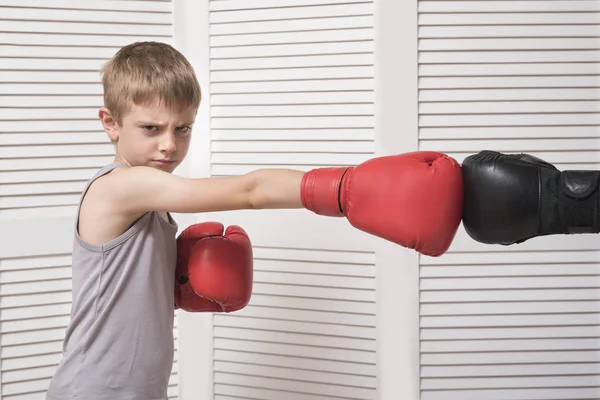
x=119, y=343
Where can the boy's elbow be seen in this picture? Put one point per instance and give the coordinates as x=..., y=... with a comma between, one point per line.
x=251, y=197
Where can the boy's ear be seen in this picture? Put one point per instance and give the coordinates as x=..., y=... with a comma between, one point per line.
x=111, y=127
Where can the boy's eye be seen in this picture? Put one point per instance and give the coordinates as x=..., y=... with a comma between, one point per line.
x=150, y=127
x=183, y=129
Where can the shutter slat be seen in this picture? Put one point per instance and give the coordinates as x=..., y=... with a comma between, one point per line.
x=510, y=320
x=509, y=82
x=284, y=13
x=508, y=18
x=293, y=385
x=303, y=303
x=136, y=5
x=222, y=392
x=308, y=61
x=293, y=122
x=32, y=337
x=510, y=345
x=528, y=94
x=506, y=57
x=294, y=338
x=510, y=370
x=295, y=110
x=365, y=368
x=294, y=373
x=106, y=27
x=508, y=6
x=546, y=145
x=513, y=382
x=509, y=333
x=281, y=99
x=284, y=159
x=294, y=350
x=32, y=39
x=324, y=293
x=54, y=89
x=324, y=317
x=510, y=44
x=510, y=120
x=500, y=107
x=15, y=364
x=286, y=50
x=501, y=31
x=292, y=37
x=233, y=5
x=57, y=150
x=48, y=114
x=73, y=15
x=15, y=139
x=32, y=275
x=532, y=69
x=513, y=270
x=322, y=134
x=16, y=102
x=512, y=132
x=288, y=147
x=33, y=164
x=292, y=74
x=291, y=25
x=92, y=53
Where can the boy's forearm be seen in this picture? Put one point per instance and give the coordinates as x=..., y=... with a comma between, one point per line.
x=275, y=188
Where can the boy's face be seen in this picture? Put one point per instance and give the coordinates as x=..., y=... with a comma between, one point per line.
x=152, y=135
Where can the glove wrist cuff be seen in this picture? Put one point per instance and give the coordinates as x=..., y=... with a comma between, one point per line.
x=320, y=191
x=579, y=201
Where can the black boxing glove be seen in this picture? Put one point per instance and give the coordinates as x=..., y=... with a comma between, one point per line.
x=510, y=198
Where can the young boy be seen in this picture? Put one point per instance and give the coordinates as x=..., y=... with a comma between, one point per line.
x=119, y=343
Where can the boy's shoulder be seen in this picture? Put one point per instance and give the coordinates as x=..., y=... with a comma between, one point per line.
x=100, y=216
x=101, y=184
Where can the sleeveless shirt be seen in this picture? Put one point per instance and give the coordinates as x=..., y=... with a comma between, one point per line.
x=119, y=342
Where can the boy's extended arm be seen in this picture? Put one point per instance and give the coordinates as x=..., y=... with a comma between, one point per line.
x=412, y=199
x=140, y=189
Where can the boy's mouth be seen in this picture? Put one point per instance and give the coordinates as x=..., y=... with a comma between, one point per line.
x=164, y=162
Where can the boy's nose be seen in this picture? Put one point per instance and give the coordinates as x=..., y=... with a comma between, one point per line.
x=167, y=144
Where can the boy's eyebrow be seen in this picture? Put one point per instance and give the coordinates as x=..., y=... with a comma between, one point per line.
x=148, y=122
x=159, y=123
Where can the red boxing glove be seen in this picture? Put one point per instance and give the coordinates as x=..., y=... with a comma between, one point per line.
x=214, y=271
x=413, y=199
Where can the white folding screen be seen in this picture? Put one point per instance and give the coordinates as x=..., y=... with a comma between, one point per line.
x=51, y=142
x=520, y=322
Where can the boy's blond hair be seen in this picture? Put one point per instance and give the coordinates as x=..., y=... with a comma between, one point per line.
x=143, y=72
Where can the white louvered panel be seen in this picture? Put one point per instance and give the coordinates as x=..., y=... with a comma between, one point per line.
x=290, y=341
x=33, y=321
x=516, y=322
x=52, y=52
x=291, y=84
x=51, y=142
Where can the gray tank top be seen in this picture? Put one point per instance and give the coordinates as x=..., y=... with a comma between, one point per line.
x=119, y=342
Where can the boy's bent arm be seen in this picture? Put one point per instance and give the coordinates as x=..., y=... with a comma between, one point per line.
x=141, y=189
